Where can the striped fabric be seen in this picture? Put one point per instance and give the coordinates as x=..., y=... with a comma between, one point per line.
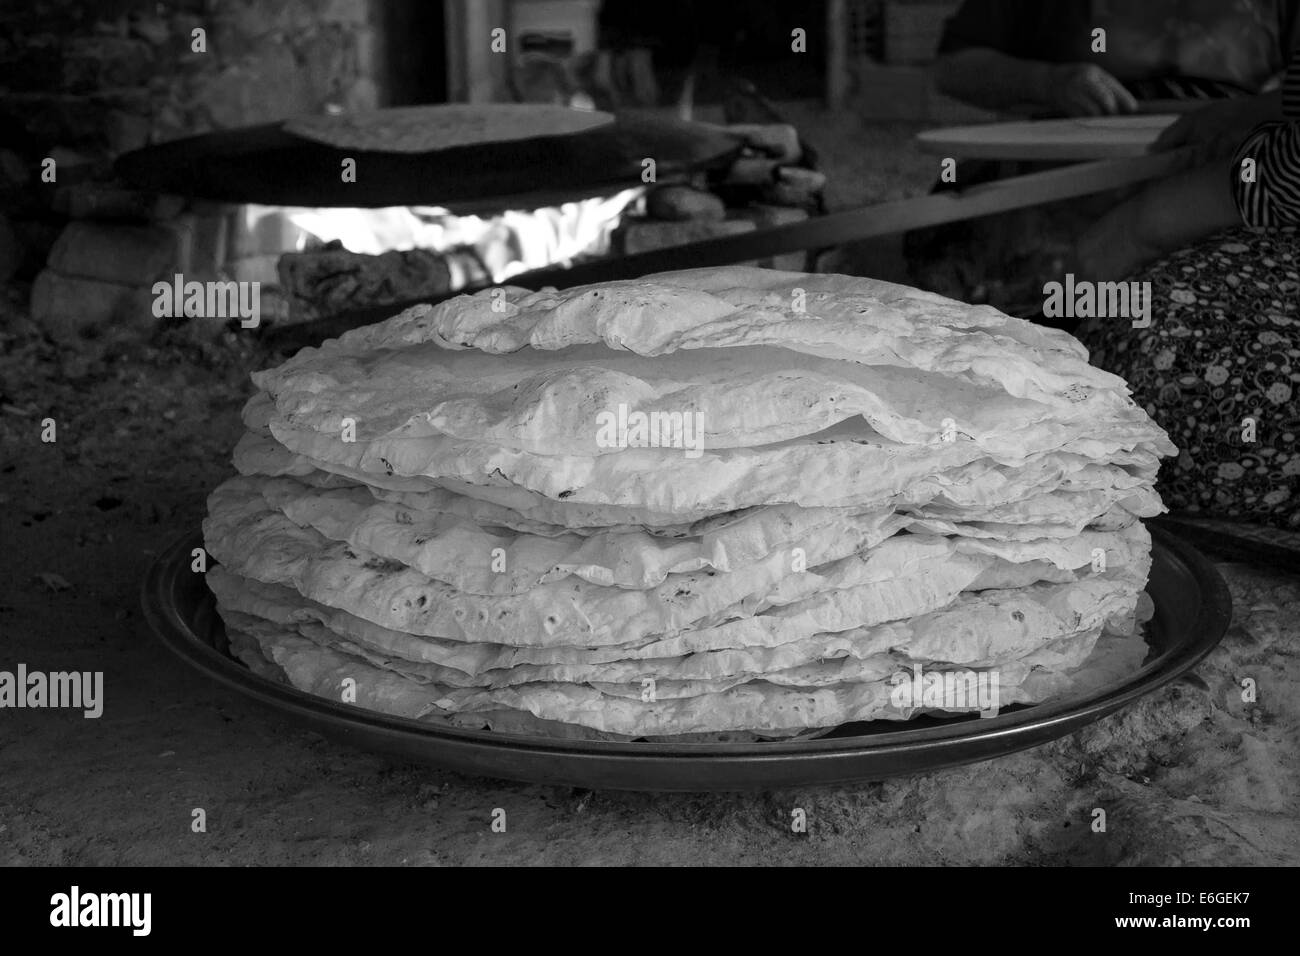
x=1291, y=87
x=1273, y=199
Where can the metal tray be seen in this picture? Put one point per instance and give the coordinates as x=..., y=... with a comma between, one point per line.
x=1192, y=611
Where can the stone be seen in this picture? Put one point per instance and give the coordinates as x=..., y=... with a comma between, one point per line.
x=11, y=254
x=646, y=235
x=328, y=61
x=152, y=29
x=209, y=246
x=110, y=77
x=237, y=25
x=124, y=132
x=369, y=52
x=260, y=269
x=69, y=307
x=30, y=67
x=71, y=166
x=356, y=12
x=675, y=202
x=99, y=201
x=102, y=62
x=271, y=87
x=136, y=100
x=36, y=237
x=13, y=171
x=362, y=96
x=119, y=252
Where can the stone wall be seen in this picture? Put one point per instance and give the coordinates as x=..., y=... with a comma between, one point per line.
x=86, y=80
x=101, y=77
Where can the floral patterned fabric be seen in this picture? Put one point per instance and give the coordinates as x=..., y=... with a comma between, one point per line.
x=1223, y=348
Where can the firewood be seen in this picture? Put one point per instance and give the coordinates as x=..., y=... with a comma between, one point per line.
x=329, y=281
x=676, y=202
x=752, y=171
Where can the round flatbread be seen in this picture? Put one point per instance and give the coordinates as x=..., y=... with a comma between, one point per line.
x=423, y=129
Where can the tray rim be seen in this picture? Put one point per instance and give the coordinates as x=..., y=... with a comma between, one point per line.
x=978, y=738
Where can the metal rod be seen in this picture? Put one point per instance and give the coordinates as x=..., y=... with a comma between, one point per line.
x=889, y=218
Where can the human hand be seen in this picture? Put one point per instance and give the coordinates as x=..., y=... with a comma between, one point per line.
x=1112, y=248
x=1166, y=215
x=1085, y=89
x=1214, y=131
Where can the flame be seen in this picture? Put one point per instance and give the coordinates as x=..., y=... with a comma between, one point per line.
x=505, y=245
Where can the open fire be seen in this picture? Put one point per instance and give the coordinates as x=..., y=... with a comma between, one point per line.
x=503, y=246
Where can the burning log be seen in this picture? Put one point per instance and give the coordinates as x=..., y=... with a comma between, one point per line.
x=752, y=171
x=779, y=141
x=678, y=202
x=795, y=186
x=329, y=281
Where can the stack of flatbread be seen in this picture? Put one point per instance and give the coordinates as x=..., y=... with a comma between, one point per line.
x=712, y=504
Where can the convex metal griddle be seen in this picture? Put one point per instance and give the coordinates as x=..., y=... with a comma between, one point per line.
x=269, y=165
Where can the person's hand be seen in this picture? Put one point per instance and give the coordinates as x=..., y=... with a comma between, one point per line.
x=1113, y=248
x=1214, y=131
x=1166, y=215
x=1085, y=89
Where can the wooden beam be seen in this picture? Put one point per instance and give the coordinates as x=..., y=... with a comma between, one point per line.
x=453, y=13
x=837, y=53
x=481, y=75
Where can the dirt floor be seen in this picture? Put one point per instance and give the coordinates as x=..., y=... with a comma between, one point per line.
x=1193, y=775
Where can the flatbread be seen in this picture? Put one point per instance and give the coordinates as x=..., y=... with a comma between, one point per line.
x=903, y=576
x=553, y=402
x=867, y=481
x=840, y=317
x=752, y=706
x=1095, y=492
x=915, y=387
x=843, y=466
x=480, y=559
x=422, y=129
x=707, y=652
x=248, y=536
